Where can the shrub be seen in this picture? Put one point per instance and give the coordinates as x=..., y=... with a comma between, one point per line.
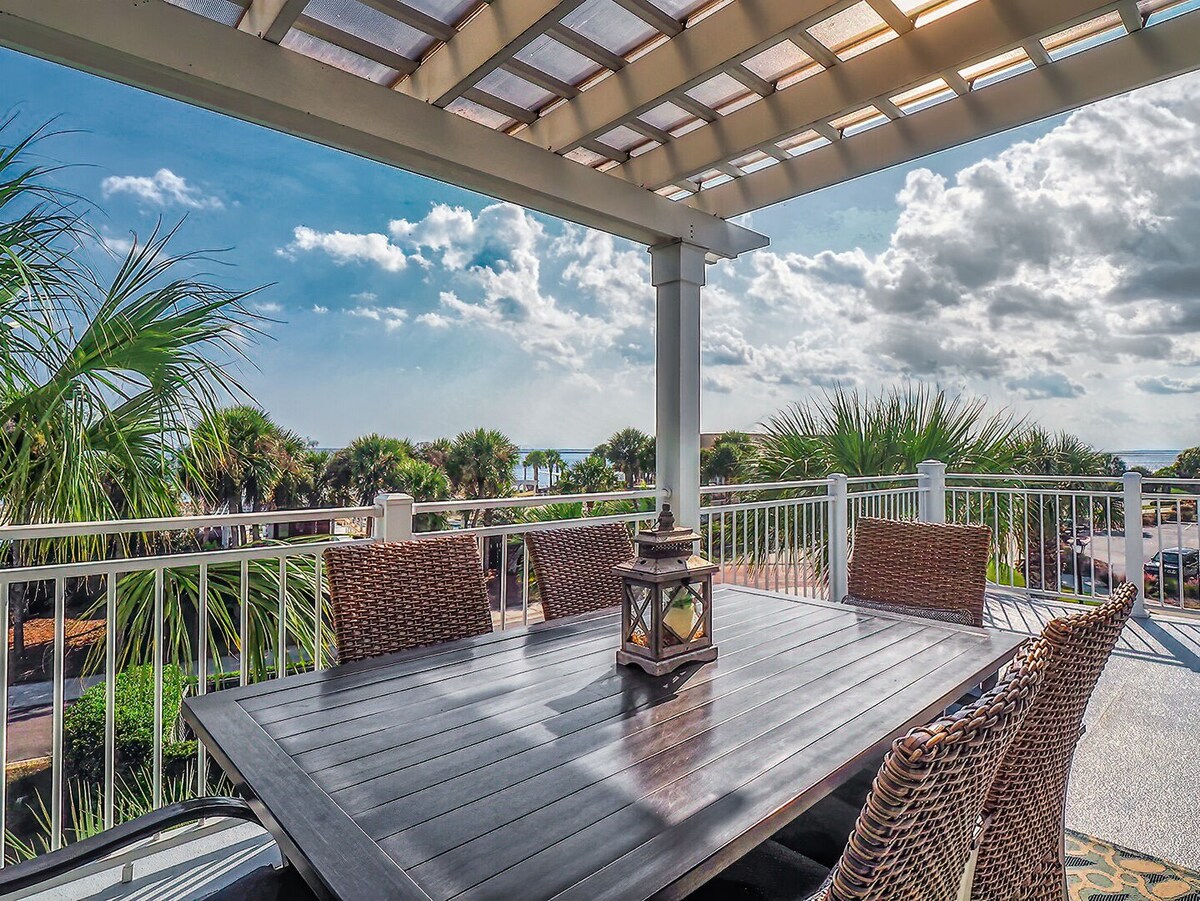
x=133, y=719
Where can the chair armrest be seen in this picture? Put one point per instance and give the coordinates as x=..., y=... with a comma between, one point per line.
x=48, y=866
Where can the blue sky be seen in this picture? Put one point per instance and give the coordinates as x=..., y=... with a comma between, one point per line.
x=411, y=307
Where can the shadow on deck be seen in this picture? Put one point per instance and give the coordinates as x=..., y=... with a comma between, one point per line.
x=1136, y=777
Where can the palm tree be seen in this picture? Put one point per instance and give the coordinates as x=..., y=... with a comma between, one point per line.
x=626, y=450
x=100, y=378
x=435, y=452
x=555, y=464
x=724, y=461
x=481, y=466
x=238, y=457
x=535, y=459
x=885, y=434
x=425, y=482
x=367, y=466
x=589, y=476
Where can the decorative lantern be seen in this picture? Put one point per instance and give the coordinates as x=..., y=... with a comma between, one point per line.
x=666, y=600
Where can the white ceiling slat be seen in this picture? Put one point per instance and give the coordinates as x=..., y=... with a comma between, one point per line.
x=731, y=34
x=500, y=105
x=973, y=32
x=814, y=48
x=827, y=131
x=1035, y=51
x=889, y=109
x=893, y=15
x=1131, y=16
x=271, y=19
x=355, y=44
x=541, y=79
x=954, y=81
x=645, y=128
x=652, y=15
x=1145, y=57
x=606, y=150
x=760, y=86
x=411, y=16
x=587, y=47
x=168, y=50
x=695, y=107
x=484, y=42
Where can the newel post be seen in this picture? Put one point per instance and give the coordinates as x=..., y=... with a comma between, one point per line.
x=1135, y=552
x=396, y=521
x=932, y=497
x=839, y=537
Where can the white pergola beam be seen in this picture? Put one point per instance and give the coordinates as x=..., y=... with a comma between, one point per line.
x=731, y=34
x=955, y=40
x=271, y=19
x=493, y=35
x=167, y=50
x=1145, y=57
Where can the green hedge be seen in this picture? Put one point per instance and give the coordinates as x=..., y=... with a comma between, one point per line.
x=83, y=723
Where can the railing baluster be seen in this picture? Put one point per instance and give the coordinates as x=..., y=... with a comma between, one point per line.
x=244, y=622
x=110, y=698
x=319, y=611
x=57, y=762
x=156, y=745
x=281, y=626
x=202, y=675
x=504, y=579
x=4, y=602
x=525, y=581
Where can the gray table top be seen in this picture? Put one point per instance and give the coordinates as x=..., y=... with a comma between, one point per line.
x=527, y=764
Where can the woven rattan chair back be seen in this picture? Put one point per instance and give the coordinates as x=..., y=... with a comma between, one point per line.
x=914, y=835
x=574, y=567
x=1020, y=854
x=936, y=570
x=389, y=597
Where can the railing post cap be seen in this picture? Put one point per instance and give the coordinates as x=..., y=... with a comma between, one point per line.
x=1131, y=476
x=393, y=498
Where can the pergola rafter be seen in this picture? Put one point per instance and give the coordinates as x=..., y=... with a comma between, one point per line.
x=1146, y=57
x=980, y=30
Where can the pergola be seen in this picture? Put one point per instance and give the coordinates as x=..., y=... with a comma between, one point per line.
x=656, y=120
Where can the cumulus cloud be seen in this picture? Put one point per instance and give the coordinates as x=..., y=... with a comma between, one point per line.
x=163, y=188
x=1162, y=384
x=391, y=318
x=347, y=247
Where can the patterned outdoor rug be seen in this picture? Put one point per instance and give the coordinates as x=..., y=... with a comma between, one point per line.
x=1100, y=871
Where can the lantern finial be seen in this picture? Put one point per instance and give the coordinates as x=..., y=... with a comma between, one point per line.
x=666, y=519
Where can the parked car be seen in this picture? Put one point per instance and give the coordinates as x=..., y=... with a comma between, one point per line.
x=1169, y=562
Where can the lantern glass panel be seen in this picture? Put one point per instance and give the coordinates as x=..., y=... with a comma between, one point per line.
x=683, y=614
x=639, y=597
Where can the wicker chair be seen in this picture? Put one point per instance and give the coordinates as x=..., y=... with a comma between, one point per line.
x=574, y=567
x=1021, y=853
x=914, y=836
x=389, y=597
x=926, y=569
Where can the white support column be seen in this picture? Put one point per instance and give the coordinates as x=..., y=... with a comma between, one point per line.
x=932, y=505
x=1135, y=552
x=677, y=272
x=396, y=523
x=839, y=537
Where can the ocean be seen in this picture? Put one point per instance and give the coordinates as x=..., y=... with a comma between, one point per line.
x=1152, y=459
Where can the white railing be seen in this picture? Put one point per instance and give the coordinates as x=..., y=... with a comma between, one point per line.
x=259, y=609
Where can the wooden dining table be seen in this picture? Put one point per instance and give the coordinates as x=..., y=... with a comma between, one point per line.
x=528, y=764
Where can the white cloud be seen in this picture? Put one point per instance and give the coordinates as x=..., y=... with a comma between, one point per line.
x=1162, y=384
x=268, y=307
x=163, y=188
x=346, y=247
x=320, y=310
x=391, y=318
